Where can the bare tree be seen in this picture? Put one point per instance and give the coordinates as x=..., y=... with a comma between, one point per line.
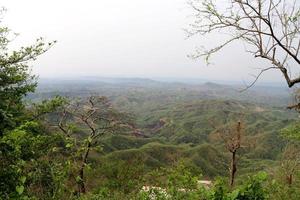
x=232, y=137
x=93, y=119
x=268, y=28
x=296, y=102
x=290, y=162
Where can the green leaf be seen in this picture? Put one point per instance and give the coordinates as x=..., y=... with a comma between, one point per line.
x=234, y=194
x=262, y=176
x=88, y=166
x=78, y=179
x=20, y=189
x=23, y=179
x=69, y=145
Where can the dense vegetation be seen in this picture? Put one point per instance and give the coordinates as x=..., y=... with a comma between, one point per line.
x=173, y=136
x=141, y=139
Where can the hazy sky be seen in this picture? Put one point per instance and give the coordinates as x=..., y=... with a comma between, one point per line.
x=133, y=38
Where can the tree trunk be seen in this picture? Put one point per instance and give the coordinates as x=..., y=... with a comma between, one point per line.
x=233, y=168
x=290, y=179
x=80, y=183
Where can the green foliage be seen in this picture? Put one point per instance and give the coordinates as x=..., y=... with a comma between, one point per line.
x=279, y=190
x=252, y=189
x=122, y=176
x=122, y=142
x=37, y=162
x=181, y=183
x=41, y=109
x=15, y=79
x=25, y=153
x=26, y=145
x=292, y=132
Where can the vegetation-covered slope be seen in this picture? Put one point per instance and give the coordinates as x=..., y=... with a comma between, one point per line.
x=179, y=121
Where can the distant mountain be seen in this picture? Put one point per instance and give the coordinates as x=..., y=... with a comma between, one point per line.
x=211, y=85
x=166, y=92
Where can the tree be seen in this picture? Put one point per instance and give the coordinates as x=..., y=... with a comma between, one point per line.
x=16, y=81
x=25, y=152
x=232, y=137
x=290, y=162
x=268, y=28
x=20, y=135
x=85, y=123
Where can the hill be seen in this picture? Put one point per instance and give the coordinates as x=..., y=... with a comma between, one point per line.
x=178, y=121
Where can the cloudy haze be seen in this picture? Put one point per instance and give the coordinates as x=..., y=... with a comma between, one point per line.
x=135, y=38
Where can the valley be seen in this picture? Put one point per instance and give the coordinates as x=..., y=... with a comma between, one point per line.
x=178, y=121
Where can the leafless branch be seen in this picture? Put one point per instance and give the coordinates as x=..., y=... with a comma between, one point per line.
x=271, y=28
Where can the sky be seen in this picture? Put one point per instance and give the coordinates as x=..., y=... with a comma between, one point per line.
x=117, y=38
